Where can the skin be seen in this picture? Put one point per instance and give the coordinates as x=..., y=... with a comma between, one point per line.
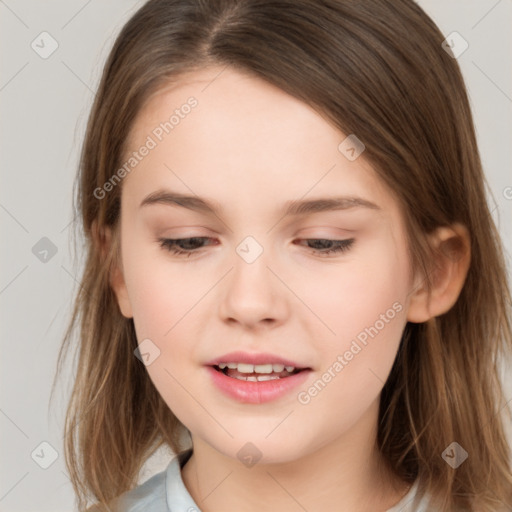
x=251, y=147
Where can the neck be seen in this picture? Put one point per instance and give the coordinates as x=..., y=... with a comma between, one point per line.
x=347, y=474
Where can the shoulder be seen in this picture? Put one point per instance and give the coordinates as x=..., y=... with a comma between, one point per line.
x=163, y=492
x=149, y=496
x=411, y=503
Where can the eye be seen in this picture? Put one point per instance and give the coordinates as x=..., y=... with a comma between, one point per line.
x=173, y=245
x=187, y=246
x=333, y=246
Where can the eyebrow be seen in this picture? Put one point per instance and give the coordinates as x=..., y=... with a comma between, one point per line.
x=291, y=208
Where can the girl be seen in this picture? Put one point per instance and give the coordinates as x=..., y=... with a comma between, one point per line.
x=293, y=279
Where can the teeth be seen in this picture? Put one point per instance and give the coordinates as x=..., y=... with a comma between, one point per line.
x=263, y=368
x=258, y=368
x=245, y=368
x=259, y=378
x=267, y=377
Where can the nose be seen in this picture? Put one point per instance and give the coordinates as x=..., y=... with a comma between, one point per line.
x=253, y=294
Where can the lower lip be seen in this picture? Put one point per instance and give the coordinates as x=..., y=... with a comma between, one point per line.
x=256, y=392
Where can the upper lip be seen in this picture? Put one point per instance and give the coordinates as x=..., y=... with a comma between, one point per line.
x=260, y=358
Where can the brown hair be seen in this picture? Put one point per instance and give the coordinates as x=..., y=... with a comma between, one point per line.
x=375, y=68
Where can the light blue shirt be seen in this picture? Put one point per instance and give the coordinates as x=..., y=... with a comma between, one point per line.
x=166, y=492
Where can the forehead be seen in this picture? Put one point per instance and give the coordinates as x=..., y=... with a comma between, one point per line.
x=244, y=137
x=229, y=99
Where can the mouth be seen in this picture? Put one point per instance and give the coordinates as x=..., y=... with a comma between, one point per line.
x=257, y=383
x=258, y=372
x=256, y=378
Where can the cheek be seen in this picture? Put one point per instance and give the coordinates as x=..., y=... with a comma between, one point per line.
x=163, y=297
x=160, y=299
x=366, y=305
x=160, y=290
x=366, y=314
x=151, y=296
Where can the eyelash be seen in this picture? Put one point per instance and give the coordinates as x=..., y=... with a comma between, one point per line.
x=169, y=244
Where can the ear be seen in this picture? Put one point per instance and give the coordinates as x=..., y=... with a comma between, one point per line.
x=108, y=244
x=452, y=247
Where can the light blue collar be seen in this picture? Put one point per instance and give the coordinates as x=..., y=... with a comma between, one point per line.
x=178, y=497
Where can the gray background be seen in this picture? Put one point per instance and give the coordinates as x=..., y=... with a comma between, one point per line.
x=44, y=108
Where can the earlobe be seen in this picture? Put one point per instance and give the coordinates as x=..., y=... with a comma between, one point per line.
x=118, y=284
x=108, y=246
x=452, y=247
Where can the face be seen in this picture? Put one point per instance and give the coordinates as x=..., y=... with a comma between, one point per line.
x=256, y=278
